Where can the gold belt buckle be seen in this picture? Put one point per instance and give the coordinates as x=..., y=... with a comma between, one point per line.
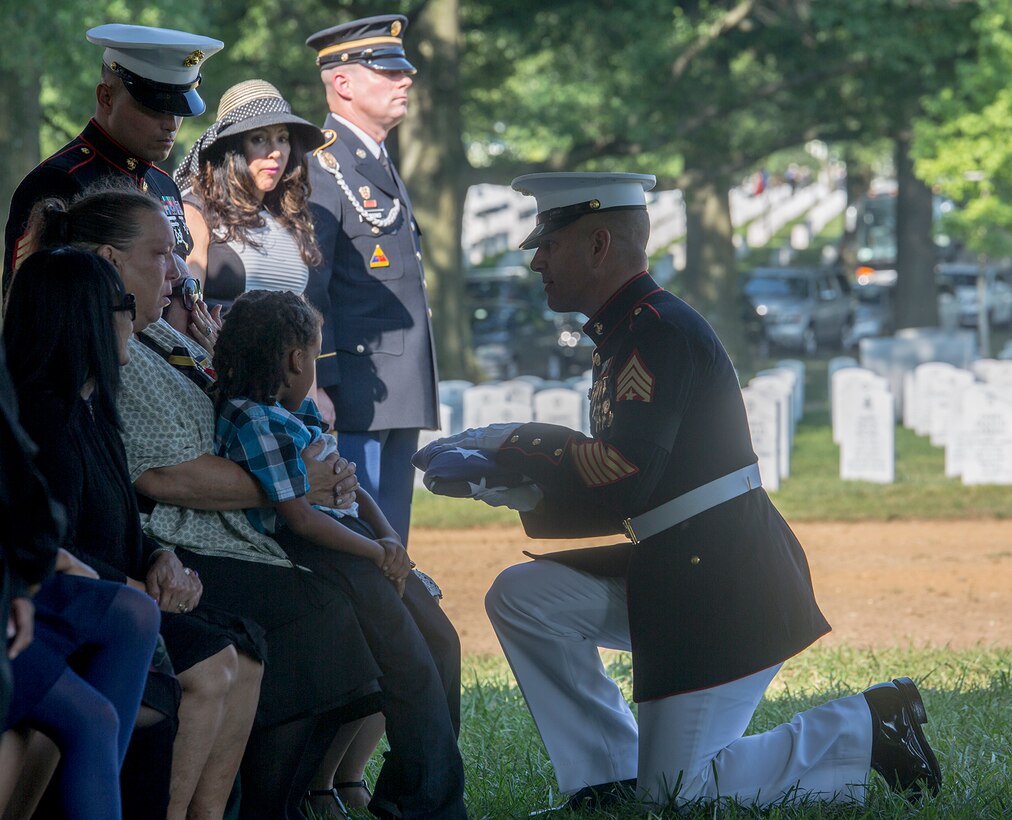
x=629, y=531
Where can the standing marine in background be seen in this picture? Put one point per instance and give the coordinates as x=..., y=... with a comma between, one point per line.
x=149, y=82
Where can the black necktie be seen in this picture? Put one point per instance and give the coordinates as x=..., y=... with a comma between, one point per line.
x=385, y=162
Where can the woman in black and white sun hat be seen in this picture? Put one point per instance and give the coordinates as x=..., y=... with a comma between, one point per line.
x=246, y=196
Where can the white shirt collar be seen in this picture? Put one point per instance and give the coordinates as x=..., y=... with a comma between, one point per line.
x=373, y=146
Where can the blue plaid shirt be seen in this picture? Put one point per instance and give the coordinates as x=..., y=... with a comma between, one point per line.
x=267, y=441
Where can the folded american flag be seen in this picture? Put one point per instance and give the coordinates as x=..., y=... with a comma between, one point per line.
x=453, y=468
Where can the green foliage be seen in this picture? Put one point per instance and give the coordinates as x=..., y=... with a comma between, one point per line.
x=962, y=144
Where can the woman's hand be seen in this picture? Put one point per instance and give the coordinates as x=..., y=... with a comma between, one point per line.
x=70, y=565
x=205, y=325
x=332, y=482
x=174, y=587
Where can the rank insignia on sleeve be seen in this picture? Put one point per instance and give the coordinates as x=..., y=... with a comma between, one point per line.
x=634, y=382
x=379, y=259
x=600, y=464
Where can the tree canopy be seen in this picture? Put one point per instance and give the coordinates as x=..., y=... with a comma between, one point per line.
x=962, y=144
x=697, y=92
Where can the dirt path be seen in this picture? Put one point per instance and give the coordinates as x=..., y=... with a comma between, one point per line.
x=930, y=583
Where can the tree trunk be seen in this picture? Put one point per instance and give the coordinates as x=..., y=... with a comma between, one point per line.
x=711, y=281
x=916, y=297
x=434, y=167
x=858, y=179
x=19, y=131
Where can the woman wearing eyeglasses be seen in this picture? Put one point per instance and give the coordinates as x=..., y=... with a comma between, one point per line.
x=246, y=196
x=80, y=682
x=217, y=656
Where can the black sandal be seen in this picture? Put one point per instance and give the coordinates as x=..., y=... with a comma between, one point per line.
x=332, y=792
x=354, y=784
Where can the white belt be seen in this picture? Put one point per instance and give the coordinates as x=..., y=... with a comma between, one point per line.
x=692, y=503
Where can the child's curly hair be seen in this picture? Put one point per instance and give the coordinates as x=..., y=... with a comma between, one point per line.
x=261, y=327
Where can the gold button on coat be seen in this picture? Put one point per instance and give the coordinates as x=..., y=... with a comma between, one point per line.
x=536, y=442
x=558, y=452
x=514, y=439
x=694, y=560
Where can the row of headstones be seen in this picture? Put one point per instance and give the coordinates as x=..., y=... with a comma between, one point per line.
x=968, y=411
x=774, y=403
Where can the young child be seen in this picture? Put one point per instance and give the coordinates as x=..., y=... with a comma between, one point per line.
x=266, y=357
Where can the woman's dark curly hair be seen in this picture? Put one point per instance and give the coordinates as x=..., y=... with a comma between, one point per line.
x=260, y=329
x=231, y=205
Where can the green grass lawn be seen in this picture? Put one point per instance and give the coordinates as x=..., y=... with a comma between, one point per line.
x=968, y=695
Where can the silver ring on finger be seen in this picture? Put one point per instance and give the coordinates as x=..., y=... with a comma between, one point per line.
x=181, y=606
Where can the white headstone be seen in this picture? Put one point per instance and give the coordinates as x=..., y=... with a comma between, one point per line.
x=428, y=436
x=559, y=406
x=777, y=389
x=993, y=371
x=849, y=385
x=987, y=436
x=489, y=404
x=521, y=390
x=892, y=357
x=583, y=387
x=942, y=398
x=930, y=379
x=867, y=441
x=763, y=413
x=798, y=367
x=790, y=379
x=908, y=399
x=837, y=363
x=451, y=393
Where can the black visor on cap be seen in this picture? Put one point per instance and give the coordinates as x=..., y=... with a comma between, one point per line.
x=178, y=100
x=392, y=60
x=556, y=218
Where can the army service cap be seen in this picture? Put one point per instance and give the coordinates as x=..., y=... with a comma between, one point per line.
x=563, y=197
x=160, y=67
x=376, y=42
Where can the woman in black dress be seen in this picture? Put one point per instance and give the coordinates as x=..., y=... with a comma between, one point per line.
x=81, y=679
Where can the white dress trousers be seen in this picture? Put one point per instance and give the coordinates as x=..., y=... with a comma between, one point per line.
x=551, y=619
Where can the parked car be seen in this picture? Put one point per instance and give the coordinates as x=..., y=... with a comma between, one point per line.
x=802, y=308
x=514, y=333
x=959, y=280
x=874, y=306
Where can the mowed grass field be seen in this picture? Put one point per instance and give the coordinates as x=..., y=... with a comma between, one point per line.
x=968, y=693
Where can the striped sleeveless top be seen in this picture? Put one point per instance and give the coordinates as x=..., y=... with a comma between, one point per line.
x=276, y=264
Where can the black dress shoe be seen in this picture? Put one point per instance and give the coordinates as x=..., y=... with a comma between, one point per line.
x=899, y=750
x=592, y=798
